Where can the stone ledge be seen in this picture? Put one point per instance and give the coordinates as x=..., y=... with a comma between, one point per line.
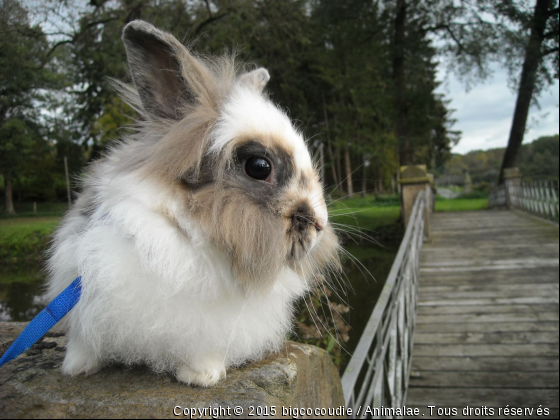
x=32, y=385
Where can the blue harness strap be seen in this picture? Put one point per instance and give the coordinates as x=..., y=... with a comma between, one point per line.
x=45, y=320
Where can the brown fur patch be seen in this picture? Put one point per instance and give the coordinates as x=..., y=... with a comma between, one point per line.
x=253, y=238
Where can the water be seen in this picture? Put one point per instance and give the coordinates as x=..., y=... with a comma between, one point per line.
x=366, y=285
x=20, y=293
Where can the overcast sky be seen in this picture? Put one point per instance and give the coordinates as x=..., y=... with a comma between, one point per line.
x=484, y=114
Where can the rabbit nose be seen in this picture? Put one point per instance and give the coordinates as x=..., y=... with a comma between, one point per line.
x=319, y=225
x=302, y=217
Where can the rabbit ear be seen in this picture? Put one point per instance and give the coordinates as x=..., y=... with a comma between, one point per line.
x=256, y=79
x=156, y=62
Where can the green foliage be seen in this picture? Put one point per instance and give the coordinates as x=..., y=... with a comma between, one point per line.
x=25, y=77
x=538, y=160
x=475, y=194
x=22, y=51
x=515, y=20
x=330, y=63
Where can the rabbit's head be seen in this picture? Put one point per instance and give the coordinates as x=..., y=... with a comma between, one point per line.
x=233, y=158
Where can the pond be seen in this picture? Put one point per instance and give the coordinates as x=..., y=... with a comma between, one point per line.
x=366, y=285
x=21, y=288
x=20, y=293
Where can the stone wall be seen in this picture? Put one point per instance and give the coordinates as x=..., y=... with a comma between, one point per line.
x=32, y=386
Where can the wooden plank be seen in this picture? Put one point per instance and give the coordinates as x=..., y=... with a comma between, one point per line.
x=482, y=318
x=476, y=268
x=498, y=288
x=464, y=239
x=488, y=261
x=486, y=309
x=538, y=290
x=485, y=363
x=496, y=327
x=454, y=397
x=532, y=300
x=484, y=279
x=502, y=350
x=524, y=380
x=488, y=338
x=506, y=277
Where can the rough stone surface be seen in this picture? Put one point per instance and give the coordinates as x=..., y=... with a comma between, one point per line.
x=414, y=179
x=32, y=386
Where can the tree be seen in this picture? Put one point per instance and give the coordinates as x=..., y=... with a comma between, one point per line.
x=330, y=63
x=540, y=64
x=460, y=33
x=22, y=73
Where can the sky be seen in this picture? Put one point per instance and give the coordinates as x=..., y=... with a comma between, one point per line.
x=484, y=114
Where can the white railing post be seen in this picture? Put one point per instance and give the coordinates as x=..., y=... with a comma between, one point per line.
x=539, y=198
x=513, y=186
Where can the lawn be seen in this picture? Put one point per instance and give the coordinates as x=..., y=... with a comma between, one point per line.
x=43, y=210
x=461, y=204
x=22, y=240
x=369, y=214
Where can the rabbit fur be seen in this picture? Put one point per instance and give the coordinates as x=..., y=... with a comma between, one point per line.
x=188, y=264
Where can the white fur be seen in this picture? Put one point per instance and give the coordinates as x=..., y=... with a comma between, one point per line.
x=159, y=293
x=247, y=111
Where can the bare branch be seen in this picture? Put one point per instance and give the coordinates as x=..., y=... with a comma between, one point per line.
x=209, y=21
x=208, y=8
x=549, y=51
x=74, y=38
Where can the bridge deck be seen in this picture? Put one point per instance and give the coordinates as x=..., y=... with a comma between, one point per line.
x=487, y=324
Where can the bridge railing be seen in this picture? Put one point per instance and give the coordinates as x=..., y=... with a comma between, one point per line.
x=379, y=370
x=497, y=197
x=538, y=198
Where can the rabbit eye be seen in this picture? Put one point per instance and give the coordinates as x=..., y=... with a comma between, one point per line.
x=258, y=168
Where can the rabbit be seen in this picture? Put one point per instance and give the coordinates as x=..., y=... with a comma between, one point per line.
x=196, y=234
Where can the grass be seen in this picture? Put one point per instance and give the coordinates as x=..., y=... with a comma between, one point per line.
x=43, y=210
x=23, y=240
x=461, y=204
x=370, y=215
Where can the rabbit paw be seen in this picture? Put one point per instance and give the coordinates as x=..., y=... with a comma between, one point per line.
x=79, y=359
x=205, y=376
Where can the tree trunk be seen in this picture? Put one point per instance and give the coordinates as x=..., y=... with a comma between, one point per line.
x=405, y=151
x=380, y=179
x=329, y=145
x=8, y=193
x=348, y=165
x=339, y=170
x=533, y=58
x=364, y=175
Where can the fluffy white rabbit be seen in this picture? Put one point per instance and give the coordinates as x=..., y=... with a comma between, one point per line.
x=197, y=233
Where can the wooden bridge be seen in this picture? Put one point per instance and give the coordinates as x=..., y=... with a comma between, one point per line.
x=468, y=317
x=487, y=317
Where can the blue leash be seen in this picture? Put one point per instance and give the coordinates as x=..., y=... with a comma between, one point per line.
x=45, y=320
